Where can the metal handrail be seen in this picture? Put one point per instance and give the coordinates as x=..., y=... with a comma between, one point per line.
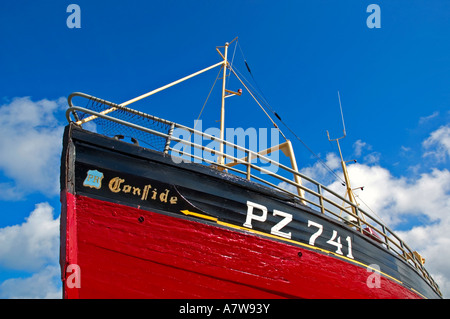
x=389, y=238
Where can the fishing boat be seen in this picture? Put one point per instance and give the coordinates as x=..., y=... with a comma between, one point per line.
x=194, y=215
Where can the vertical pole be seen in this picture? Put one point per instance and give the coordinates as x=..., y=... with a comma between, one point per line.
x=322, y=208
x=221, y=158
x=249, y=161
x=347, y=181
x=297, y=178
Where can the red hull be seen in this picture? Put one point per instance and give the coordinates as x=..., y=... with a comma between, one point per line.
x=125, y=252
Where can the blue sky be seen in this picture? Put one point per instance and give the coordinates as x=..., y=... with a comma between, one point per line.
x=393, y=82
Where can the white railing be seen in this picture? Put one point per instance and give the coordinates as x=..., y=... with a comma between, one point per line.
x=308, y=191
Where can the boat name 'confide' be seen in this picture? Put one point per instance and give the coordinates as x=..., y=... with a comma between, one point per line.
x=118, y=185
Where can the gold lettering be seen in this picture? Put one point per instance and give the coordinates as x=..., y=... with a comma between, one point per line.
x=114, y=184
x=163, y=196
x=145, y=192
x=126, y=188
x=117, y=185
x=136, y=191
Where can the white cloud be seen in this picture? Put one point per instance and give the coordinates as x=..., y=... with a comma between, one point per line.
x=318, y=171
x=372, y=158
x=395, y=197
x=9, y=191
x=425, y=119
x=405, y=149
x=44, y=284
x=432, y=242
x=32, y=247
x=30, y=145
x=32, y=244
x=438, y=144
x=358, y=147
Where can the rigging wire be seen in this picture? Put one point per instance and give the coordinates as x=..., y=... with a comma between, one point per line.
x=312, y=152
x=263, y=100
x=204, y=104
x=256, y=100
x=232, y=60
x=254, y=80
x=342, y=113
x=381, y=220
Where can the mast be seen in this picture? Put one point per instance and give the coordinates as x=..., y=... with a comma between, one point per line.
x=349, y=190
x=221, y=159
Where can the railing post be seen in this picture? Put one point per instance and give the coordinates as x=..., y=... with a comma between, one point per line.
x=319, y=189
x=358, y=218
x=166, y=147
x=297, y=178
x=405, y=255
x=249, y=167
x=385, y=237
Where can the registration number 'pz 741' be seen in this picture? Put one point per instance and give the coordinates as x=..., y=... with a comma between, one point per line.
x=279, y=229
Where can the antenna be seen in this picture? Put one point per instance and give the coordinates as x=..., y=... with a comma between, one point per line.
x=342, y=114
x=349, y=191
x=343, y=123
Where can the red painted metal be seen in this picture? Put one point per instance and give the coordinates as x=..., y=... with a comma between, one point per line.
x=126, y=252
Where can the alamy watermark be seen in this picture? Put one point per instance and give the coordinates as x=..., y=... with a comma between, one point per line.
x=74, y=19
x=73, y=276
x=73, y=279
x=374, y=19
x=374, y=279
x=253, y=139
